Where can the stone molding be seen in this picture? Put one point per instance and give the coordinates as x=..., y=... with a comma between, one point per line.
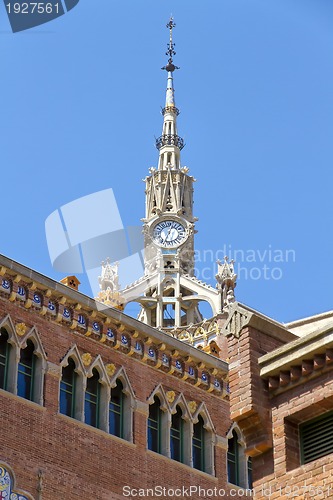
x=241, y=316
x=304, y=358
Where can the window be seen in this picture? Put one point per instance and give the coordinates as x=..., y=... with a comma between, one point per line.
x=25, y=376
x=68, y=389
x=176, y=436
x=198, y=445
x=92, y=400
x=154, y=426
x=116, y=410
x=239, y=466
x=177, y=432
x=22, y=361
x=316, y=438
x=4, y=358
x=233, y=459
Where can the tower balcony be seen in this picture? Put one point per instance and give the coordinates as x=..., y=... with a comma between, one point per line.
x=170, y=109
x=170, y=140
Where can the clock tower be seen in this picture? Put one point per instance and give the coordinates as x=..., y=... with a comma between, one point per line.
x=169, y=293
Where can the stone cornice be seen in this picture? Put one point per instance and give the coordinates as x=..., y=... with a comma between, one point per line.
x=309, y=320
x=155, y=346
x=241, y=316
x=304, y=358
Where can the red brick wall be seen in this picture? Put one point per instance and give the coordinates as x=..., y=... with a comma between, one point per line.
x=289, y=409
x=249, y=404
x=270, y=424
x=77, y=460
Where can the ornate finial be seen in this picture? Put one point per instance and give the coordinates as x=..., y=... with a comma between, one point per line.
x=170, y=67
x=109, y=285
x=226, y=281
x=109, y=277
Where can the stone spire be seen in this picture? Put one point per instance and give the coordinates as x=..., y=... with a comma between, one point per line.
x=109, y=277
x=169, y=293
x=169, y=143
x=226, y=282
x=109, y=286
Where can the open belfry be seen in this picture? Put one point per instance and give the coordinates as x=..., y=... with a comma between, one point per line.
x=97, y=404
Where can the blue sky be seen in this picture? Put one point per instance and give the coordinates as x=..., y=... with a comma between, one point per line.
x=80, y=106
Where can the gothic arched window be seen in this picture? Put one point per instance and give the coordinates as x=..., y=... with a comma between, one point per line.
x=116, y=410
x=4, y=358
x=176, y=436
x=26, y=372
x=154, y=426
x=92, y=400
x=198, y=444
x=233, y=459
x=239, y=466
x=68, y=389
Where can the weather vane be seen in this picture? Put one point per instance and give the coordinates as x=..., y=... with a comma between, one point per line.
x=171, y=48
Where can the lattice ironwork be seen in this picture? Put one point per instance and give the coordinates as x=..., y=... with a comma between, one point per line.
x=170, y=109
x=170, y=140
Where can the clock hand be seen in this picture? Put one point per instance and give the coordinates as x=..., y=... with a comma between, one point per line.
x=167, y=234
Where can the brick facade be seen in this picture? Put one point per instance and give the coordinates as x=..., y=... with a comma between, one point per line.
x=269, y=409
x=277, y=381
x=54, y=456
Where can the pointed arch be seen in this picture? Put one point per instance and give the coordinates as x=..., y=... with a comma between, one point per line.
x=159, y=419
x=72, y=384
x=160, y=393
x=184, y=433
x=182, y=403
x=239, y=470
x=10, y=354
x=98, y=365
x=97, y=395
x=177, y=447
x=123, y=377
x=34, y=336
x=203, y=441
x=9, y=326
x=123, y=401
x=32, y=366
x=74, y=354
x=240, y=436
x=203, y=412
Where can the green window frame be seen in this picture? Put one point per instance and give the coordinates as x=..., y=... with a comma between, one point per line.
x=198, y=445
x=233, y=459
x=154, y=426
x=316, y=438
x=92, y=400
x=116, y=410
x=176, y=435
x=249, y=473
x=4, y=358
x=26, y=372
x=68, y=389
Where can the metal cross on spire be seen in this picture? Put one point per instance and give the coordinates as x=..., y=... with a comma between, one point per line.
x=170, y=67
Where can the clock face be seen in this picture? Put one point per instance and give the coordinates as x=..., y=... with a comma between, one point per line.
x=169, y=233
